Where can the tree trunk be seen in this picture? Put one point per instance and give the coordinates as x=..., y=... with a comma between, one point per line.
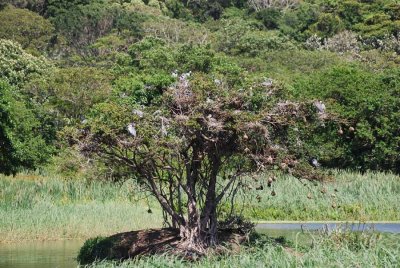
x=209, y=221
x=191, y=235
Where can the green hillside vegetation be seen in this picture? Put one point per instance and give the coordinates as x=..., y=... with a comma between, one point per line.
x=64, y=57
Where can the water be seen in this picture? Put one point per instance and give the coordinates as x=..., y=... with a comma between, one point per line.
x=50, y=254
x=62, y=254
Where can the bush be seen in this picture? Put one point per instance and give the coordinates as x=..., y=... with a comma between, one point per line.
x=94, y=249
x=83, y=22
x=29, y=29
x=369, y=104
x=327, y=25
x=141, y=89
x=71, y=91
x=269, y=17
x=152, y=54
x=254, y=42
x=17, y=66
x=296, y=23
x=22, y=143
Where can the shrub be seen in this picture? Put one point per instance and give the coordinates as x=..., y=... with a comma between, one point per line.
x=369, y=104
x=254, y=42
x=345, y=41
x=296, y=22
x=269, y=17
x=83, y=22
x=258, y=5
x=327, y=25
x=17, y=66
x=94, y=249
x=29, y=29
x=141, y=89
x=152, y=54
x=71, y=91
x=22, y=142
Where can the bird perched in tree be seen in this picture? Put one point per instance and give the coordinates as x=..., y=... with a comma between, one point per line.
x=320, y=106
x=138, y=113
x=164, y=131
x=131, y=129
x=314, y=162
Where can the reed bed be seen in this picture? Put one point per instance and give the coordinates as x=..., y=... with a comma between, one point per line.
x=42, y=208
x=350, y=197
x=50, y=208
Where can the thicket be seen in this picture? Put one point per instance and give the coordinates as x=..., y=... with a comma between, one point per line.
x=60, y=59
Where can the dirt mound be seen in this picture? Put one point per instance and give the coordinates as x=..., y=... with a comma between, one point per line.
x=128, y=245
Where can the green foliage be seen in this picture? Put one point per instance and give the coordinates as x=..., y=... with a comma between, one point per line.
x=82, y=22
x=265, y=251
x=94, y=249
x=231, y=31
x=255, y=42
x=17, y=66
x=38, y=6
x=140, y=43
x=52, y=208
x=176, y=9
x=152, y=54
x=22, y=144
x=270, y=17
x=29, y=29
x=357, y=96
x=327, y=25
x=295, y=23
x=195, y=58
x=141, y=89
x=71, y=91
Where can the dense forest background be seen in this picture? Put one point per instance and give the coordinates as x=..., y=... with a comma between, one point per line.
x=64, y=63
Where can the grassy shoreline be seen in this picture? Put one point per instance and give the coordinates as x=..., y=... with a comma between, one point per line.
x=52, y=208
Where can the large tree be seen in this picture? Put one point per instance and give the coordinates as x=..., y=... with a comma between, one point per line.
x=194, y=146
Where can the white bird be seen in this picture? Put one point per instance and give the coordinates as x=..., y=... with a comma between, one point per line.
x=185, y=75
x=267, y=83
x=314, y=162
x=138, y=113
x=217, y=82
x=131, y=129
x=320, y=106
x=164, y=131
x=174, y=74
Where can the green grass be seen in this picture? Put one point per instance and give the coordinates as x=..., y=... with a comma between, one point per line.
x=50, y=208
x=40, y=208
x=326, y=251
x=358, y=197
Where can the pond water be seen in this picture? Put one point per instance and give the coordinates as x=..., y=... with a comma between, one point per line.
x=49, y=254
x=62, y=254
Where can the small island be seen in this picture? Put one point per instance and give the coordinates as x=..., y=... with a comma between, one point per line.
x=207, y=133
